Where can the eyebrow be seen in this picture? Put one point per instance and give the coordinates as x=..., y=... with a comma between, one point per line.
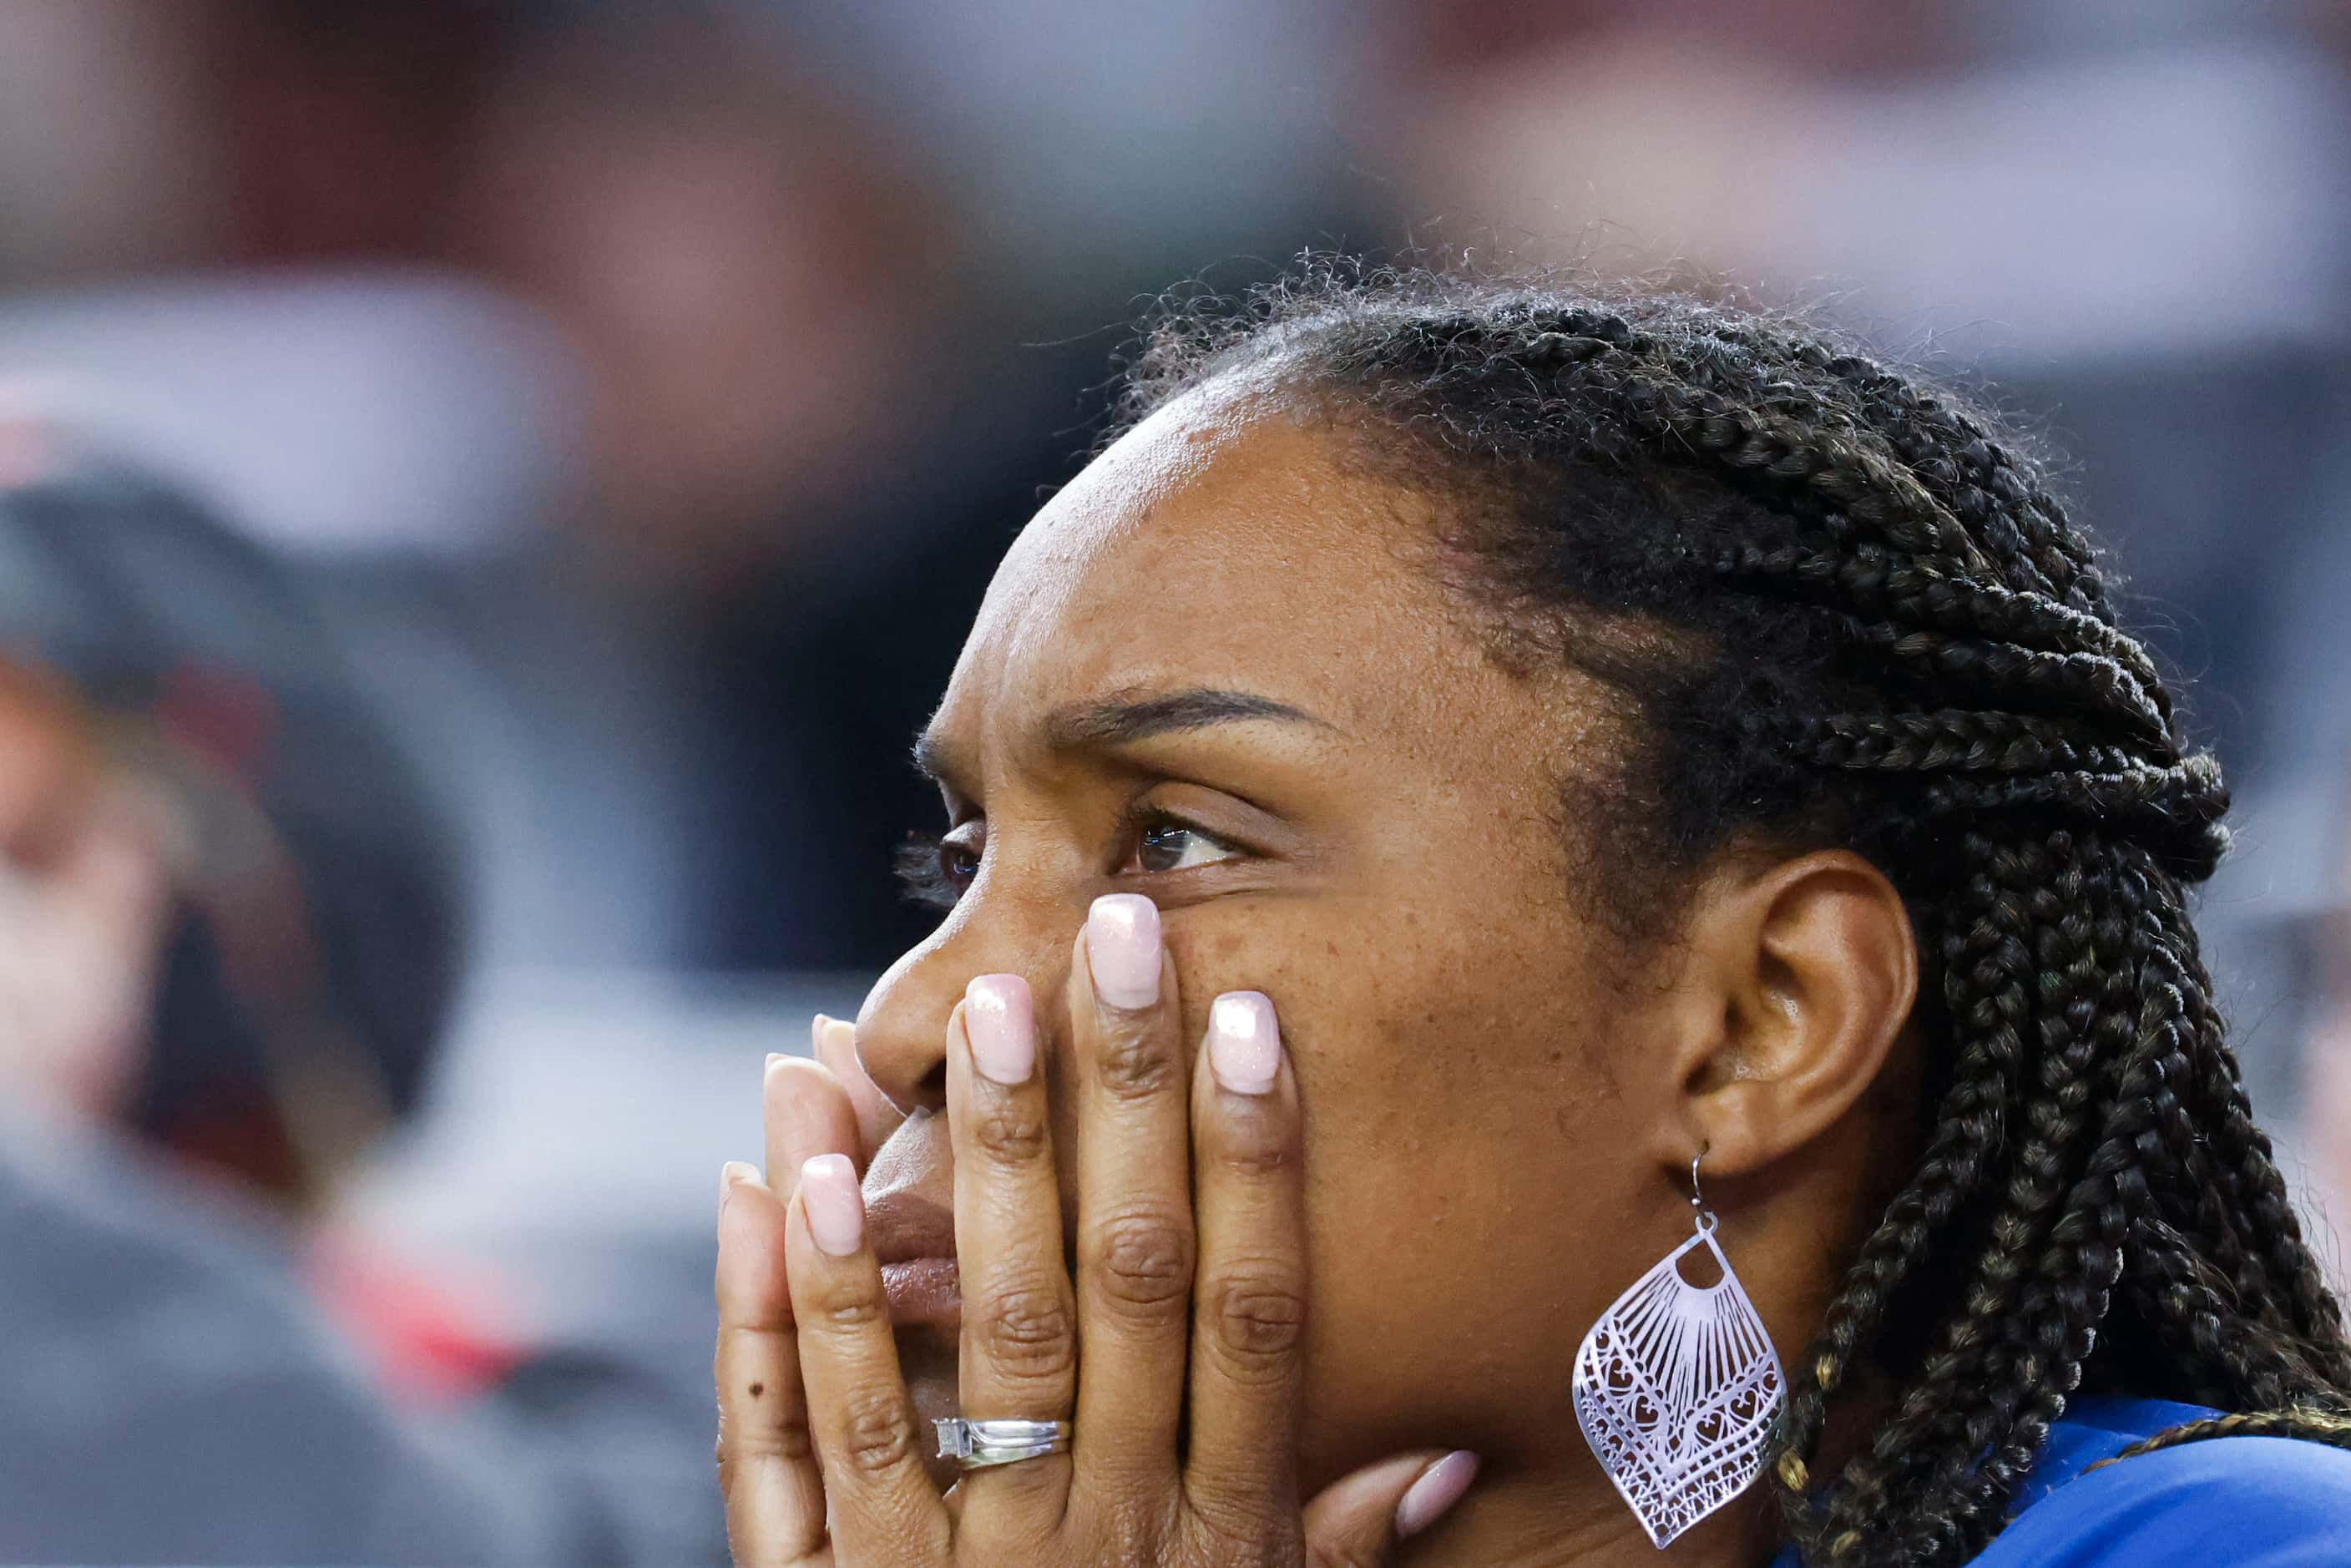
x=1122, y=721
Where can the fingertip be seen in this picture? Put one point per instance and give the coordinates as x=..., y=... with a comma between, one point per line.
x=750, y=1283
x=1360, y=1517
x=732, y=1173
x=1244, y=1042
x=828, y=1167
x=1440, y=1485
x=1000, y=1028
x=782, y=1070
x=835, y=1041
x=805, y=1105
x=1124, y=945
x=834, y=1207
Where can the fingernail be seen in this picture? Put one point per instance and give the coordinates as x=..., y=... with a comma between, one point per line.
x=1244, y=1043
x=774, y=1057
x=1001, y=1024
x=817, y=1023
x=1439, y=1488
x=836, y=1209
x=729, y=1174
x=1123, y=949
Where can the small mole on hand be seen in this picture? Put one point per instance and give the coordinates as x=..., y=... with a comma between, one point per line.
x=758, y=1389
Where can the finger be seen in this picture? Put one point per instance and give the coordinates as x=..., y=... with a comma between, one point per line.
x=1136, y=1236
x=1248, y=1306
x=807, y=1113
x=1357, y=1519
x=766, y=1469
x=834, y=1041
x=1019, y=1347
x=882, y=1507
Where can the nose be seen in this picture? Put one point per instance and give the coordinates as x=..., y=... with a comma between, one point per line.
x=901, y=1028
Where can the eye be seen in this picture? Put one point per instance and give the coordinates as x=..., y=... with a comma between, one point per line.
x=1166, y=844
x=934, y=869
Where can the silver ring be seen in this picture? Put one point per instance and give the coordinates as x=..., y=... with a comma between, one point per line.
x=975, y=1444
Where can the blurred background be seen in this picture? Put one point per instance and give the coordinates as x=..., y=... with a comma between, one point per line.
x=489, y=489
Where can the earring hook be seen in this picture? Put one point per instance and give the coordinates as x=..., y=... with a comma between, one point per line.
x=1698, y=1199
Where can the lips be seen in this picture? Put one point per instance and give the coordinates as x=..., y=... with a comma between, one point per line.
x=914, y=1241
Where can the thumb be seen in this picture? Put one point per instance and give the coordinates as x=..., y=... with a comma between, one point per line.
x=1357, y=1519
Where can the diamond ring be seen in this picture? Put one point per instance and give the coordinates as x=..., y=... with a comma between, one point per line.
x=975, y=1444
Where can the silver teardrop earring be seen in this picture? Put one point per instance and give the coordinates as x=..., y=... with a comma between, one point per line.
x=1677, y=1387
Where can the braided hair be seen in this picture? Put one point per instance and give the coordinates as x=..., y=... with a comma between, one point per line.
x=1842, y=607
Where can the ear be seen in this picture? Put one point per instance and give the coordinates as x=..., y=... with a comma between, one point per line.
x=1800, y=978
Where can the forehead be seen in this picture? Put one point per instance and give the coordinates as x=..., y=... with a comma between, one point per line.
x=1222, y=543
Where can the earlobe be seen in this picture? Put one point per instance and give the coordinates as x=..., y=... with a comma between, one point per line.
x=1815, y=966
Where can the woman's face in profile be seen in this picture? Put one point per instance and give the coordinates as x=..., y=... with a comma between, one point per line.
x=1216, y=671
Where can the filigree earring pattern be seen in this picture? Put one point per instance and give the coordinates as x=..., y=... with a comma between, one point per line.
x=1677, y=1387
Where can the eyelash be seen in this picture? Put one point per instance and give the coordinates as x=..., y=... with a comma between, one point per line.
x=921, y=873
x=921, y=876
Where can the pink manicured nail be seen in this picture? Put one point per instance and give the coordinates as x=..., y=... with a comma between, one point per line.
x=1244, y=1043
x=1123, y=949
x=1439, y=1488
x=1001, y=1024
x=836, y=1209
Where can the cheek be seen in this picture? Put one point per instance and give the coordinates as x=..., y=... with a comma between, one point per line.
x=1462, y=1158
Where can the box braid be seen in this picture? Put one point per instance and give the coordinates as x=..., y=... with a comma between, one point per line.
x=1844, y=608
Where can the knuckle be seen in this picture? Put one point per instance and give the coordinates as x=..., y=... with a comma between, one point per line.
x=1255, y=1322
x=1012, y=1134
x=1136, y=1062
x=1028, y=1332
x=848, y=1314
x=1146, y=1261
x=1256, y=1153
x=787, y=1437
x=1129, y=1528
x=839, y=1304
x=1231, y=1527
x=877, y=1434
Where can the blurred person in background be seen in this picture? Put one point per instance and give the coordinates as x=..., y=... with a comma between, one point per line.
x=234, y=920
x=232, y=930
x=229, y=940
